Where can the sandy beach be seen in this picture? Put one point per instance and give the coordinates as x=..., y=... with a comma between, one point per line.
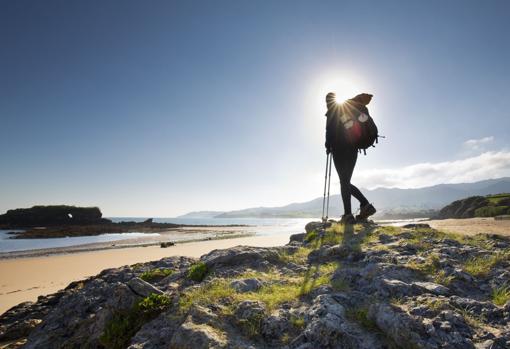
x=472, y=226
x=24, y=279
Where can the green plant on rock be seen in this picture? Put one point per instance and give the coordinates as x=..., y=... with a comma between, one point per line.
x=124, y=325
x=251, y=326
x=300, y=256
x=501, y=295
x=431, y=265
x=443, y=279
x=154, y=274
x=197, y=271
x=482, y=265
x=298, y=322
x=211, y=292
x=360, y=315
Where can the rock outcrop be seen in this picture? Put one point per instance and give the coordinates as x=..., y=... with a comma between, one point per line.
x=368, y=287
x=40, y=216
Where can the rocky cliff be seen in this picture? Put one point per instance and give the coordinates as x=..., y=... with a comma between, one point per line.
x=355, y=287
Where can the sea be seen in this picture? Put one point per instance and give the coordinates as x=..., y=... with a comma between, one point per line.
x=258, y=226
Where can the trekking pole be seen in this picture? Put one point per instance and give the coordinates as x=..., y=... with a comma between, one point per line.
x=325, y=183
x=329, y=186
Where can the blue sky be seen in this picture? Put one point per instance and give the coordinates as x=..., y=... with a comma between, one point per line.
x=158, y=108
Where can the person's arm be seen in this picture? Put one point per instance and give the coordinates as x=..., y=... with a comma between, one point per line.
x=330, y=130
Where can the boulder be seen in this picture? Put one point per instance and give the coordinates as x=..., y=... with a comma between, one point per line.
x=297, y=237
x=328, y=327
x=246, y=285
x=240, y=255
x=143, y=288
x=197, y=336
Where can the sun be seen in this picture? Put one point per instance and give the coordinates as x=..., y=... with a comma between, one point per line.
x=343, y=85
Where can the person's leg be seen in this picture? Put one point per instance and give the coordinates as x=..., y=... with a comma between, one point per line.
x=344, y=164
x=359, y=195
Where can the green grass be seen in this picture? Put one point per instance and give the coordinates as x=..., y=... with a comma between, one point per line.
x=157, y=273
x=443, y=279
x=495, y=199
x=197, y=272
x=431, y=265
x=492, y=211
x=209, y=293
x=298, y=257
x=481, y=266
x=124, y=325
x=277, y=288
x=501, y=295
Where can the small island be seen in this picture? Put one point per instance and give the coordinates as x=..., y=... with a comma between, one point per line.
x=62, y=220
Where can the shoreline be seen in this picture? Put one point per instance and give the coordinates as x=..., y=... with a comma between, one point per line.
x=25, y=278
x=55, y=251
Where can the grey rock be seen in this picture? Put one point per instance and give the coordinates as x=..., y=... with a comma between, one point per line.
x=248, y=310
x=241, y=255
x=143, y=288
x=316, y=226
x=396, y=325
x=246, y=285
x=328, y=327
x=297, y=237
x=155, y=334
x=198, y=336
x=432, y=287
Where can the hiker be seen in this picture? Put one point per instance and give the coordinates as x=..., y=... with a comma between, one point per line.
x=340, y=143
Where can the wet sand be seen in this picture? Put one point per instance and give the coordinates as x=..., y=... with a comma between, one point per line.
x=24, y=279
x=472, y=226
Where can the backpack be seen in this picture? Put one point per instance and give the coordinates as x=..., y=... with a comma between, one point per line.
x=359, y=128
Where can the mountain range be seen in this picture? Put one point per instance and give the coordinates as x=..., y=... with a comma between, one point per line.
x=391, y=203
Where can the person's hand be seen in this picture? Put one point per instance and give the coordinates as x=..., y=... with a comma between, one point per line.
x=328, y=150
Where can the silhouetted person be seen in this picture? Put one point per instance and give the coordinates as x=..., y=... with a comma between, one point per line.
x=339, y=115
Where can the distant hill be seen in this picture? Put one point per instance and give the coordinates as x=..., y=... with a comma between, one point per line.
x=391, y=202
x=477, y=206
x=202, y=214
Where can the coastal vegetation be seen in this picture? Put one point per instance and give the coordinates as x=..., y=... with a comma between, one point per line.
x=123, y=325
x=478, y=206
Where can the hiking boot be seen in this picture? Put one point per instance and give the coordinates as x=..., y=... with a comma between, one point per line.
x=348, y=219
x=365, y=212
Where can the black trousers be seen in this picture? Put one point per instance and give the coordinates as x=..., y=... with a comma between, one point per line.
x=345, y=160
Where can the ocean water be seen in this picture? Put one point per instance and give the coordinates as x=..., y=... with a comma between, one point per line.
x=259, y=226
x=10, y=245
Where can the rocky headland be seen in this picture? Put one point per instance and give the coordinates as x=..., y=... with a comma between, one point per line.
x=477, y=206
x=365, y=286
x=39, y=222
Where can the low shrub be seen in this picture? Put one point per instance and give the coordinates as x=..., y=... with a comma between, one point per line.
x=124, y=325
x=197, y=271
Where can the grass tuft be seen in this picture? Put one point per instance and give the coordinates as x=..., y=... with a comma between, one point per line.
x=481, y=266
x=124, y=325
x=360, y=315
x=197, y=271
x=501, y=295
x=298, y=257
x=153, y=274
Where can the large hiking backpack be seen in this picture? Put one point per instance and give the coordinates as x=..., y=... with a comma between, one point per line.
x=360, y=129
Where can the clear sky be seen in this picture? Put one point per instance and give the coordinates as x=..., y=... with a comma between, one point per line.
x=157, y=108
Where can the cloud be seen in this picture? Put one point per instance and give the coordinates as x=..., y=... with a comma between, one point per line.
x=484, y=166
x=477, y=144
